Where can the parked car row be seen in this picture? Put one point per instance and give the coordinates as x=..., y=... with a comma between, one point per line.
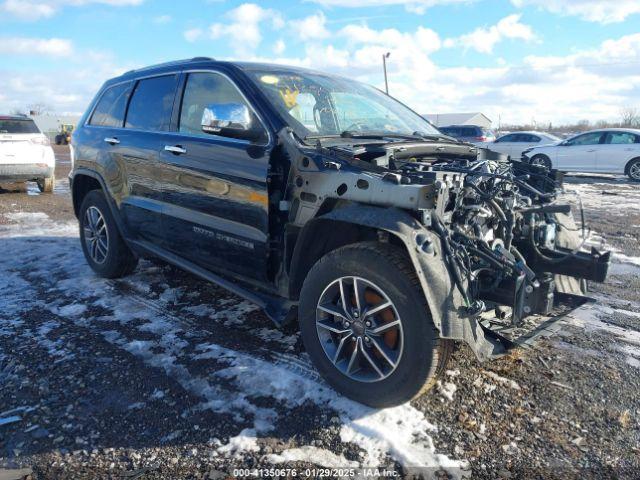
x=601, y=151
x=609, y=150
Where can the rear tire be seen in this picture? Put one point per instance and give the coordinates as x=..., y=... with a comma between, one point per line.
x=541, y=160
x=419, y=354
x=633, y=170
x=104, y=248
x=46, y=184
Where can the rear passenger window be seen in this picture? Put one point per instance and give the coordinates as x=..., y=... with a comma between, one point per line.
x=110, y=109
x=151, y=104
x=620, y=138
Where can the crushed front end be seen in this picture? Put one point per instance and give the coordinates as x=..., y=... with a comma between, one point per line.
x=497, y=253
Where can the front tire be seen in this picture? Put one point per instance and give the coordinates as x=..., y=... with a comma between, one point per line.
x=367, y=328
x=104, y=249
x=541, y=160
x=633, y=170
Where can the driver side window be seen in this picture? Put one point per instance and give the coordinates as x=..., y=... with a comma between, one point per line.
x=507, y=138
x=586, y=139
x=201, y=90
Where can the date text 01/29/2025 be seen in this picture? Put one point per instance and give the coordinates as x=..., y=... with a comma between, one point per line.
x=315, y=473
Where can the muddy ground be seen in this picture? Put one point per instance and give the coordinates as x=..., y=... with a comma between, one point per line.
x=161, y=375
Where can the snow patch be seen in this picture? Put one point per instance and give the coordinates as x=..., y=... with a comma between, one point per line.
x=313, y=455
x=245, y=441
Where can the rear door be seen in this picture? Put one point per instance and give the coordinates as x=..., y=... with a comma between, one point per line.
x=522, y=142
x=579, y=154
x=217, y=213
x=618, y=149
x=139, y=143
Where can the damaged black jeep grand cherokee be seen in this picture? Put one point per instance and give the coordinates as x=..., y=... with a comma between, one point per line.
x=321, y=198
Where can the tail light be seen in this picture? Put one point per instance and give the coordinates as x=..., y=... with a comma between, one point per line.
x=41, y=141
x=481, y=139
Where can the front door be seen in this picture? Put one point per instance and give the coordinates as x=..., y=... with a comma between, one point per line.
x=579, y=154
x=215, y=193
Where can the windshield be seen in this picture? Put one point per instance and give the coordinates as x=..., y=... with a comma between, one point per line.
x=317, y=105
x=18, y=126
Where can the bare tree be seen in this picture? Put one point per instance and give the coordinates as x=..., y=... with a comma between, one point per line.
x=39, y=109
x=630, y=117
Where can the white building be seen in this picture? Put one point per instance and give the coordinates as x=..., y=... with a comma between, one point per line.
x=445, y=119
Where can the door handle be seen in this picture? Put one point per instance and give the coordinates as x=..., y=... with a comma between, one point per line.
x=177, y=149
x=591, y=151
x=112, y=140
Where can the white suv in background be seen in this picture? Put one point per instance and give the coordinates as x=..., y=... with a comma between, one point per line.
x=609, y=150
x=513, y=144
x=25, y=153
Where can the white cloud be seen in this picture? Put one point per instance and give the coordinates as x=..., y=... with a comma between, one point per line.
x=192, y=34
x=279, y=47
x=483, y=39
x=162, y=19
x=36, y=9
x=311, y=27
x=602, y=11
x=83, y=74
x=243, y=27
x=56, y=47
x=415, y=6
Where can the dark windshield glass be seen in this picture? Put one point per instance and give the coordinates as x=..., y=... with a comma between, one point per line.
x=314, y=105
x=18, y=126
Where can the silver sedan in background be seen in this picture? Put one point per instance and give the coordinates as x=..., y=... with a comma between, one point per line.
x=609, y=150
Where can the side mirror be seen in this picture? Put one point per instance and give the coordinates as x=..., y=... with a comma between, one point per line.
x=229, y=120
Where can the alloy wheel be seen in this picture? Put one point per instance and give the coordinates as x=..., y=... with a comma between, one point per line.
x=634, y=171
x=96, y=235
x=359, y=329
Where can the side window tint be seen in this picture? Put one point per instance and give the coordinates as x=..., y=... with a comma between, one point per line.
x=109, y=111
x=151, y=104
x=586, y=139
x=203, y=89
x=620, y=138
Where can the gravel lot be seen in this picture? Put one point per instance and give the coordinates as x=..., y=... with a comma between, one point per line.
x=161, y=375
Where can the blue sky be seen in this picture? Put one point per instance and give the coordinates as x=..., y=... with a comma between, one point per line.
x=516, y=60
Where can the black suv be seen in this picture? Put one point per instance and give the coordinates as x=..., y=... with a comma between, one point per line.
x=325, y=201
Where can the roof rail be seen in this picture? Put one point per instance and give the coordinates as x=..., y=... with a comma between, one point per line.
x=166, y=64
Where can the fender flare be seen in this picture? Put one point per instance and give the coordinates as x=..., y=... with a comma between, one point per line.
x=115, y=211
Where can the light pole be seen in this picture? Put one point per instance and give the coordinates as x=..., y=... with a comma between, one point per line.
x=384, y=67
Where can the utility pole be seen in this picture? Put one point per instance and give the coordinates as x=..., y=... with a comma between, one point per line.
x=384, y=67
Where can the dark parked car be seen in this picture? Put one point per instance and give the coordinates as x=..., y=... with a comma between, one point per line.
x=325, y=201
x=469, y=133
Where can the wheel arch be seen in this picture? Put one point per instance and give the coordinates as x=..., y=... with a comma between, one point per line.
x=82, y=182
x=628, y=165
